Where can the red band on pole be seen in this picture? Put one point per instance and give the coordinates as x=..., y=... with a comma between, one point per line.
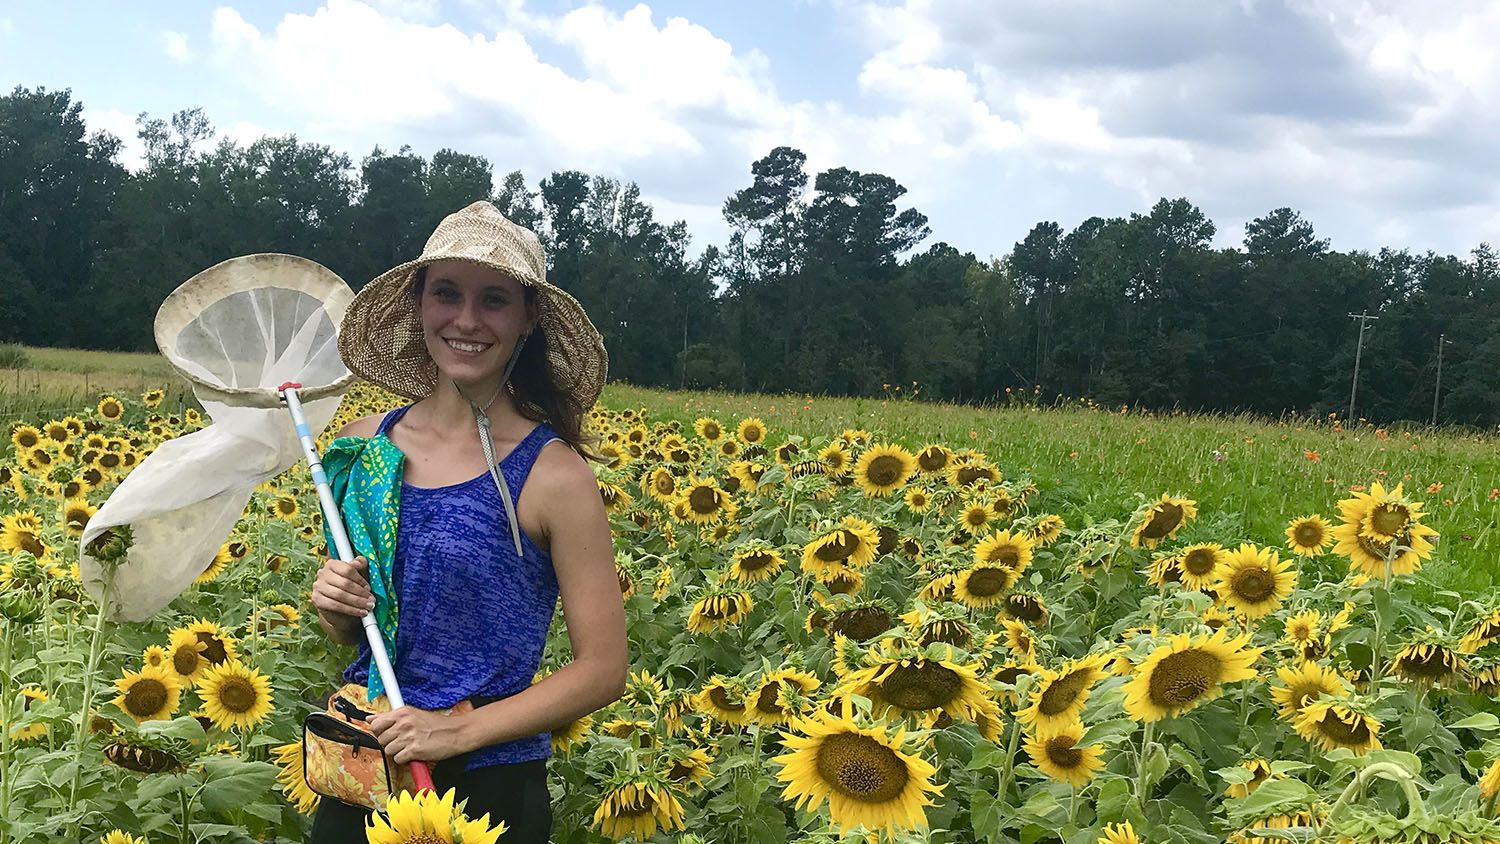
x=292, y=384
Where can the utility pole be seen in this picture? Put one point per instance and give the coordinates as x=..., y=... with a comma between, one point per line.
x=1363, y=318
x=1438, y=384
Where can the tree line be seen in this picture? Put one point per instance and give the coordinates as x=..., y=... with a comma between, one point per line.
x=827, y=283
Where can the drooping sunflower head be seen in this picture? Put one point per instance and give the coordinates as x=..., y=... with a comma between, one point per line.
x=1059, y=696
x=1047, y=529
x=1337, y=723
x=934, y=459
x=151, y=694
x=1303, y=684
x=292, y=775
x=755, y=562
x=1307, y=536
x=883, y=469
x=1484, y=631
x=1185, y=672
x=564, y=738
x=1025, y=607
x=688, y=767
x=1428, y=661
x=859, y=620
x=1162, y=520
x=719, y=610
x=852, y=542
x=782, y=695
x=917, y=686
x=1254, y=581
x=1260, y=772
x=1058, y=755
x=865, y=773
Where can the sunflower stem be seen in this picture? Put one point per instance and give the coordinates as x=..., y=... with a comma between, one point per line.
x=1141, y=777
x=184, y=833
x=1013, y=745
x=81, y=736
x=5, y=720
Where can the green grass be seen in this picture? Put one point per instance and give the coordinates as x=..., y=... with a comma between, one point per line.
x=1089, y=464
x=57, y=381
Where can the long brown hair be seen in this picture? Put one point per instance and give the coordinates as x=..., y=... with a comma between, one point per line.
x=537, y=395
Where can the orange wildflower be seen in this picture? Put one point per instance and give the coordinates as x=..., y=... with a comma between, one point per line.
x=1312, y=455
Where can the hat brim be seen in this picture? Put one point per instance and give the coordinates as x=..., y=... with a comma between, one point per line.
x=381, y=337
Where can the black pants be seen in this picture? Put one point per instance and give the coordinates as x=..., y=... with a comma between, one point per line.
x=516, y=794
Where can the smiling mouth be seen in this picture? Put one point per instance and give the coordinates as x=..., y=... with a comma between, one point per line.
x=470, y=348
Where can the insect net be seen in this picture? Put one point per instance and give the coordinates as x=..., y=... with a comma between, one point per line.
x=236, y=331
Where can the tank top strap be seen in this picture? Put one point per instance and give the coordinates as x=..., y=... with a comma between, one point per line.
x=522, y=458
x=391, y=417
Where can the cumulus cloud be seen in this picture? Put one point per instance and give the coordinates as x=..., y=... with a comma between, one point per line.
x=175, y=45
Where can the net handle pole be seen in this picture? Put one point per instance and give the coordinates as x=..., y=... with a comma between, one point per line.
x=335, y=522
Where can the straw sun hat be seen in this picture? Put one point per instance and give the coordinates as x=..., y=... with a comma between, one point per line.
x=381, y=336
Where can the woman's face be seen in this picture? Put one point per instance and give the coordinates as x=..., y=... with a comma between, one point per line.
x=472, y=317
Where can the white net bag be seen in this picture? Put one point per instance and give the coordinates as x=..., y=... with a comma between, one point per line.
x=237, y=331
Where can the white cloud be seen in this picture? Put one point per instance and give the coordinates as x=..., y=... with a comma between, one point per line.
x=175, y=45
x=116, y=122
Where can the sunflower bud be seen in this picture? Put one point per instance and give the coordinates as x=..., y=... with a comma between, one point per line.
x=20, y=607
x=112, y=545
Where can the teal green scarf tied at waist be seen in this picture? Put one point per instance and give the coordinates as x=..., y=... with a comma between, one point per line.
x=365, y=475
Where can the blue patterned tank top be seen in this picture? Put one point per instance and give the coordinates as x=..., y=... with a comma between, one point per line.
x=474, y=618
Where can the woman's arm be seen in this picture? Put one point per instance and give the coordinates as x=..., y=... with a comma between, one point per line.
x=577, y=528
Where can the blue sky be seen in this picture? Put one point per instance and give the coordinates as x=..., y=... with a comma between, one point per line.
x=1372, y=118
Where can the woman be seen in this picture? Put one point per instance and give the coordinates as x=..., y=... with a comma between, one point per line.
x=499, y=516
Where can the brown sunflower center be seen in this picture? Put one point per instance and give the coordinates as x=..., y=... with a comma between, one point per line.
x=1199, y=562
x=664, y=483
x=1062, y=752
x=704, y=500
x=756, y=560
x=711, y=431
x=842, y=583
x=932, y=459
x=861, y=623
x=986, y=582
x=752, y=434
x=1025, y=608
x=921, y=686
x=765, y=700
x=969, y=474
x=146, y=697
x=1183, y=677
x=213, y=648
x=976, y=516
x=1004, y=555
x=840, y=545
x=885, y=470
x=237, y=695
x=947, y=632
x=1253, y=584
x=1389, y=519
x=286, y=506
x=1165, y=518
x=1308, y=535
x=185, y=660
x=1429, y=662
x=861, y=768
x=1351, y=731
x=720, y=697
x=1060, y=694
x=1306, y=692
x=31, y=544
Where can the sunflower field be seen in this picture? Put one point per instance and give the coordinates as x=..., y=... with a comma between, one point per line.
x=836, y=635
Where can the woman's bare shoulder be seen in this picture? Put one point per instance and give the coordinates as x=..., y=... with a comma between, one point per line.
x=562, y=470
x=365, y=426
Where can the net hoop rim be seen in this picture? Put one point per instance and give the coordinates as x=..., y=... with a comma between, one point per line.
x=272, y=270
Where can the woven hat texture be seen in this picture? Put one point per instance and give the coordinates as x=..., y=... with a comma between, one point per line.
x=381, y=336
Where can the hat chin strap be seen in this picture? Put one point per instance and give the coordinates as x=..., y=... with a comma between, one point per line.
x=483, y=420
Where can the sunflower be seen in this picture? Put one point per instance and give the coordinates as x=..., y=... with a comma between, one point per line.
x=218, y=645
x=918, y=499
x=1018, y=638
x=1047, y=529
x=976, y=516
x=155, y=656
x=1185, y=672
x=688, y=767
x=32, y=694
x=835, y=459
x=852, y=542
x=284, y=507
x=861, y=622
x=841, y=580
x=940, y=588
x=119, y=836
x=1305, y=684
x=1260, y=772
x=1253, y=582
x=152, y=398
x=709, y=429
x=1484, y=631
x=151, y=694
x=723, y=699
x=110, y=408
x=234, y=695
x=661, y=484
x=1058, y=755
x=751, y=431
x=983, y=585
x=1368, y=554
x=56, y=432
x=883, y=469
x=1302, y=628
x=933, y=459
x=215, y=566
x=76, y=513
x=1026, y=607
x=1427, y=663
x=919, y=686
x=293, y=778
x=1307, y=536
x=1118, y=833
x=1006, y=549
x=748, y=473
x=571, y=733
x=1489, y=784
x=770, y=705
x=718, y=611
x=1197, y=565
x=25, y=437
x=975, y=470
x=1338, y=723
x=426, y=818
x=627, y=728
x=1058, y=699
x=1387, y=514
x=864, y=773
x=754, y=563
x=22, y=532
x=637, y=808
x=706, y=502
x=1163, y=520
